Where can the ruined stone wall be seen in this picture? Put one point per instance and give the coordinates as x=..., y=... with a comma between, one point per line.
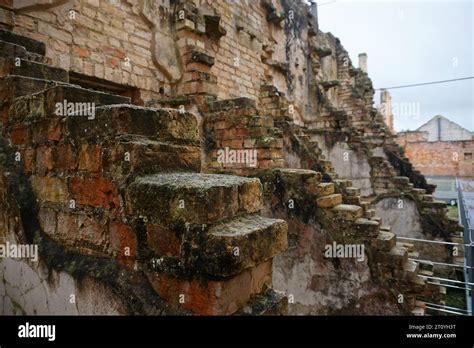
x=109, y=40
x=152, y=46
x=296, y=100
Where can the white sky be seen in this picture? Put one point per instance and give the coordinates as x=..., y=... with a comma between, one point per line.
x=410, y=42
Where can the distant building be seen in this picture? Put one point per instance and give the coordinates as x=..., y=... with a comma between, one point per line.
x=440, y=147
x=386, y=108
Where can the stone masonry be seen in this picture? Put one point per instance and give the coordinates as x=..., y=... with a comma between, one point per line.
x=198, y=157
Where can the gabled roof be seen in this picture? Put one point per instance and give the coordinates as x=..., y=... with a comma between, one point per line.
x=443, y=118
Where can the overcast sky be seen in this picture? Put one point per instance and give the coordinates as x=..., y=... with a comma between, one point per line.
x=410, y=42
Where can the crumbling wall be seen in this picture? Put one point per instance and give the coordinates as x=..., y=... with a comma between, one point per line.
x=296, y=100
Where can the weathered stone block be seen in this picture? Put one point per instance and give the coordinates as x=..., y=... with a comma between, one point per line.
x=329, y=201
x=28, y=68
x=216, y=297
x=50, y=189
x=385, y=241
x=31, y=45
x=348, y=212
x=139, y=156
x=192, y=198
x=244, y=242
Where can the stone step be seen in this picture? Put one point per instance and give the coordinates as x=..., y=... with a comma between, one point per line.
x=411, y=270
x=378, y=219
x=166, y=125
x=23, y=67
x=138, y=155
x=342, y=184
x=366, y=228
x=365, y=205
x=12, y=50
x=348, y=212
x=398, y=256
x=192, y=198
x=401, y=181
x=354, y=200
x=16, y=86
x=370, y=213
x=240, y=243
x=325, y=189
x=29, y=44
x=45, y=103
x=353, y=191
x=329, y=201
x=232, y=104
x=428, y=198
x=294, y=177
x=385, y=241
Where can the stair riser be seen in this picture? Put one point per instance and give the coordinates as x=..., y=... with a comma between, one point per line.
x=33, y=70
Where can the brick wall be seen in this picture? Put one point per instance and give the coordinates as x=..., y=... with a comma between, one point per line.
x=105, y=39
x=411, y=137
x=442, y=158
x=114, y=41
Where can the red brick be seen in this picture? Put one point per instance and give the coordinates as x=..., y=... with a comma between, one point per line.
x=48, y=129
x=28, y=158
x=438, y=158
x=217, y=297
x=54, y=130
x=80, y=52
x=64, y=158
x=44, y=160
x=163, y=241
x=122, y=237
x=112, y=62
x=113, y=52
x=90, y=158
x=96, y=192
x=19, y=135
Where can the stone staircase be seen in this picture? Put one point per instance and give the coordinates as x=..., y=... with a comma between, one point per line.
x=343, y=206
x=122, y=182
x=388, y=259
